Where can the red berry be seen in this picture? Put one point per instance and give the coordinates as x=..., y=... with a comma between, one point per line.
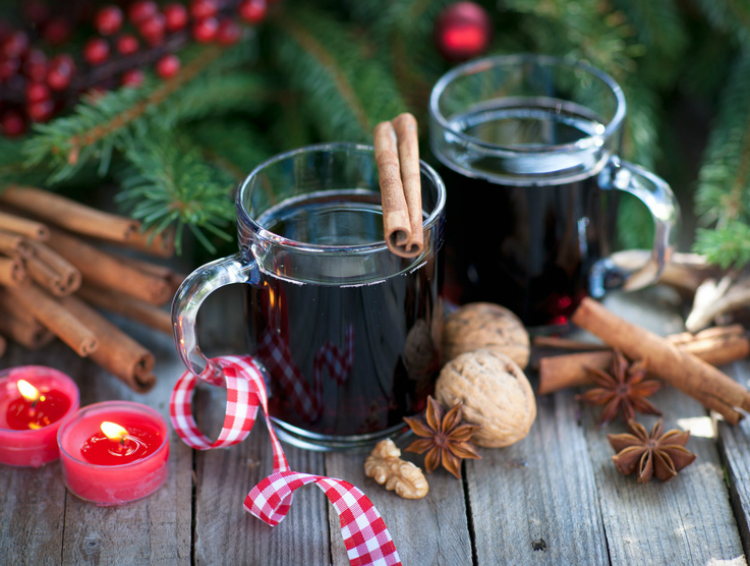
x=35, y=66
x=152, y=29
x=176, y=17
x=8, y=67
x=108, y=20
x=60, y=73
x=12, y=123
x=127, y=44
x=133, y=78
x=96, y=51
x=205, y=30
x=16, y=44
x=167, y=66
x=253, y=11
x=141, y=10
x=57, y=31
x=201, y=9
x=228, y=33
x=36, y=92
x=40, y=111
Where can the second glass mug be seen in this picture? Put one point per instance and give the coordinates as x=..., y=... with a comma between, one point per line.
x=348, y=333
x=530, y=144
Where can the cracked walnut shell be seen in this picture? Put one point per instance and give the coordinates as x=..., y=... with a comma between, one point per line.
x=485, y=325
x=495, y=394
x=385, y=466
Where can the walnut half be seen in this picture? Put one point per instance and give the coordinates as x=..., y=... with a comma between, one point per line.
x=385, y=466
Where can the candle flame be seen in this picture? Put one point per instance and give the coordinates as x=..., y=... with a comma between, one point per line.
x=113, y=431
x=27, y=390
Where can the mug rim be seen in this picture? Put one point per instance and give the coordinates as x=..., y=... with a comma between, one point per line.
x=298, y=246
x=484, y=63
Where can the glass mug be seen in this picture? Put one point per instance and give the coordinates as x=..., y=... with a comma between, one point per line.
x=348, y=333
x=530, y=144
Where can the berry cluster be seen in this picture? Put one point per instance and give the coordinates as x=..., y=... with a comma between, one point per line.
x=140, y=34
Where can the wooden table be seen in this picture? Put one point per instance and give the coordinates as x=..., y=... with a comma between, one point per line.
x=554, y=498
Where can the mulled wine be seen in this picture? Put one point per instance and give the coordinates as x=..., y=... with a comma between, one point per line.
x=347, y=354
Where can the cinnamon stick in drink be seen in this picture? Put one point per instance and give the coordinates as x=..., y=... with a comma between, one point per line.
x=67, y=213
x=118, y=353
x=13, y=272
x=52, y=271
x=48, y=311
x=716, y=390
x=129, y=307
x=407, y=136
x=396, y=223
x=105, y=270
x=23, y=226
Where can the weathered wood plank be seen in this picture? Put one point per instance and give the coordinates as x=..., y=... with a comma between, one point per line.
x=432, y=530
x=535, y=502
x=154, y=530
x=685, y=521
x=734, y=445
x=224, y=532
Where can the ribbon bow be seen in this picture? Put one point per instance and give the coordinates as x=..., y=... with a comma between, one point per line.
x=366, y=537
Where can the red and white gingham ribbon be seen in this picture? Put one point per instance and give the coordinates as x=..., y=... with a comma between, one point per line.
x=273, y=350
x=366, y=537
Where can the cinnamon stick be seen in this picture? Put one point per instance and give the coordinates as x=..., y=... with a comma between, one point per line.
x=407, y=136
x=104, y=270
x=48, y=311
x=396, y=223
x=566, y=344
x=14, y=244
x=2, y=346
x=19, y=325
x=172, y=277
x=129, y=307
x=52, y=271
x=13, y=273
x=31, y=335
x=716, y=390
x=118, y=353
x=23, y=226
x=67, y=213
x=161, y=244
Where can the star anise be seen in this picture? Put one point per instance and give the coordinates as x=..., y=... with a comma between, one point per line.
x=445, y=438
x=623, y=391
x=662, y=455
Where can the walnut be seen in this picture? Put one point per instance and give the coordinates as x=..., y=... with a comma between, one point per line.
x=495, y=394
x=385, y=466
x=485, y=325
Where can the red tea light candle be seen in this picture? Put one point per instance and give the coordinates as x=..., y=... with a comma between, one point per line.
x=114, y=452
x=34, y=402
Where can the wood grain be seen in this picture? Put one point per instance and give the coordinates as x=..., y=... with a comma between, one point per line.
x=535, y=502
x=432, y=530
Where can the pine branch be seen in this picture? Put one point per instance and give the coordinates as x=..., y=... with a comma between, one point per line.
x=728, y=15
x=100, y=126
x=347, y=92
x=169, y=184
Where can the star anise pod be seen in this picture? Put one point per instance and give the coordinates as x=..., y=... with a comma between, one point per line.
x=662, y=455
x=445, y=437
x=624, y=390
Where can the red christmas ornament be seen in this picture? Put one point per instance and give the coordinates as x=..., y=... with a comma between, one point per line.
x=205, y=30
x=35, y=66
x=61, y=70
x=201, y=9
x=12, y=123
x=40, y=111
x=132, y=78
x=37, y=92
x=152, y=29
x=142, y=10
x=228, y=33
x=463, y=31
x=127, y=44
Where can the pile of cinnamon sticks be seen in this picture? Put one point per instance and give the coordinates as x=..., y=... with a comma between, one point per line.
x=55, y=276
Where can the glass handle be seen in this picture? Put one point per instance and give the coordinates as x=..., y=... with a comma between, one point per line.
x=635, y=269
x=188, y=300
